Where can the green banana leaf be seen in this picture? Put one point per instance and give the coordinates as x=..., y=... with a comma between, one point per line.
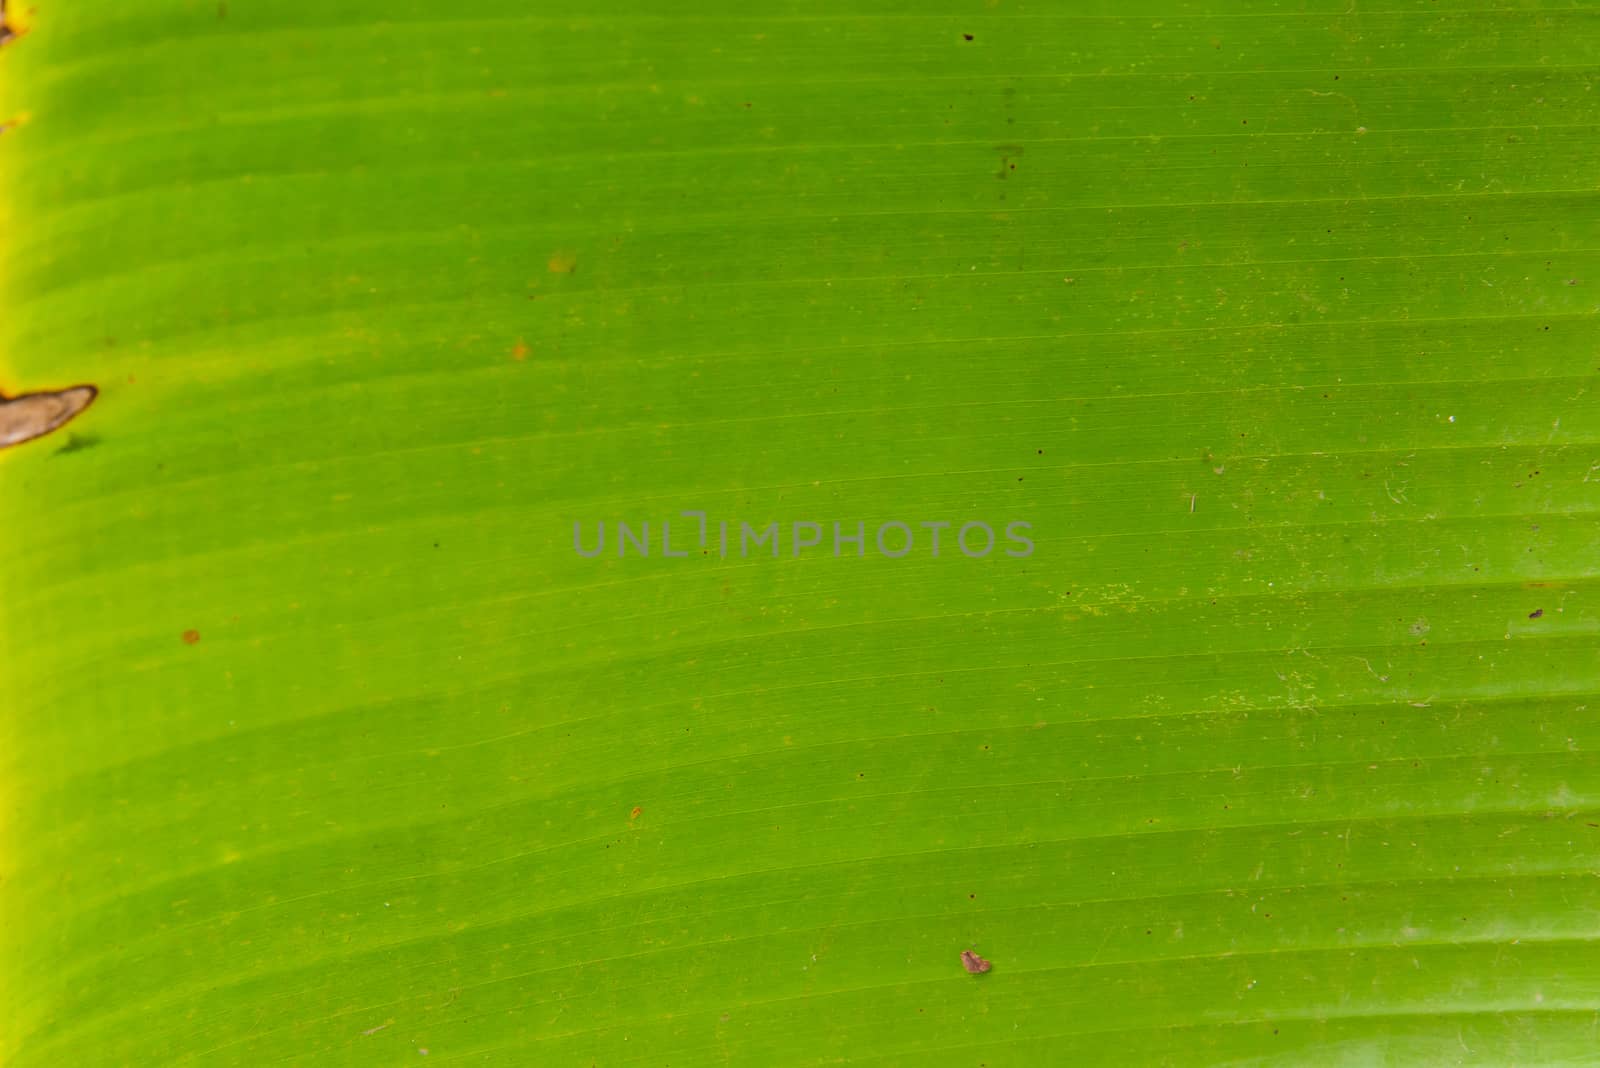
x=1260, y=338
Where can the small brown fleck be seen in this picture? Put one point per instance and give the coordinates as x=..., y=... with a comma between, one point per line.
x=636, y=813
x=1536, y=613
x=13, y=24
x=191, y=636
x=966, y=37
x=563, y=262
x=974, y=963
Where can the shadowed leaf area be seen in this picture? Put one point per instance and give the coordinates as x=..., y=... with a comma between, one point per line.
x=322, y=743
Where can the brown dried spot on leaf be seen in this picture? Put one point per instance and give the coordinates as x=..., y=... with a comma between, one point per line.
x=191, y=636
x=34, y=415
x=563, y=261
x=974, y=963
x=13, y=22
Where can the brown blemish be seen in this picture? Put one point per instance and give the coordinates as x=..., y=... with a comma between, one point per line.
x=563, y=262
x=636, y=813
x=1536, y=613
x=1008, y=154
x=191, y=636
x=520, y=350
x=973, y=963
x=33, y=415
x=14, y=23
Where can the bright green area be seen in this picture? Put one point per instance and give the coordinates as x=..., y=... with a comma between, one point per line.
x=1276, y=320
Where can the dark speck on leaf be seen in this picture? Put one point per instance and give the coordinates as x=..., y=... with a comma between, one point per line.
x=966, y=37
x=77, y=442
x=1536, y=613
x=974, y=963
